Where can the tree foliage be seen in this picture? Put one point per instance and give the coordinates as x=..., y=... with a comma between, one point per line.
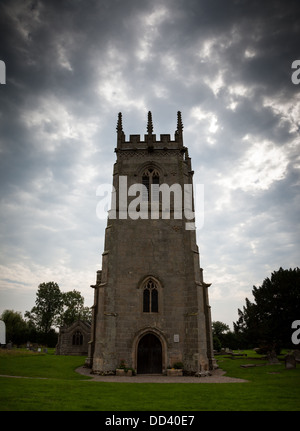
x=276, y=305
x=54, y=308
x=73, y=308
x=48, y=307
x=17, y=329
x=223, y=337
x=219, y=328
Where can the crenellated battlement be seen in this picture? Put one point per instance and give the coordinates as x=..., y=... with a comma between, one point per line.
x=149, y=140
x=137, y=139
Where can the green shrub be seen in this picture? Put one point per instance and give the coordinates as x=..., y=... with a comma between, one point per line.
x=178, y=365
x=217, y=343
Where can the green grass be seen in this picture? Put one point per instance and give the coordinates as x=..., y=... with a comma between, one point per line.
x=62, y=389
x=21, y=362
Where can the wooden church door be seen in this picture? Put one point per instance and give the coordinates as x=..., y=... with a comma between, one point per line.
x=149, y=357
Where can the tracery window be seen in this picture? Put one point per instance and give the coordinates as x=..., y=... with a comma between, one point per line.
x=150, y=179
x=77, y=339
x=150, y=297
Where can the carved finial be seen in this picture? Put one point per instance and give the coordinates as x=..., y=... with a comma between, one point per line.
x=149, y=124
x=119, y=125
x=179, y=122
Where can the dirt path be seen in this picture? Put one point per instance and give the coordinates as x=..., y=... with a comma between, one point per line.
x=216, y=377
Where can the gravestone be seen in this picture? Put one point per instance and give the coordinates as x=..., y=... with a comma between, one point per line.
x=272, y=358
x=2, y=332
x=290, y=362
x=296, y=354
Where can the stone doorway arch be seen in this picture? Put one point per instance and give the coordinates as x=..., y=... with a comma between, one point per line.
x=149, y=355
x=149, y=351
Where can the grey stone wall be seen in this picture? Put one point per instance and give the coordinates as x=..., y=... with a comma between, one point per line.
x=65, y=344
x=162, y=249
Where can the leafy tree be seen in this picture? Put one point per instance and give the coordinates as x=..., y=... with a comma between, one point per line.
x=73, y=308
x=223, y=337
x=17, y=329
x=219, y=328
x=216, y=343
x=268, y=320
x=54, y=308
x=48, y=307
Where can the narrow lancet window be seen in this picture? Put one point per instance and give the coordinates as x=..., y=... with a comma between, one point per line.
x=77, y=339
x=150, y=297
x=145, y=182
x=150, y=179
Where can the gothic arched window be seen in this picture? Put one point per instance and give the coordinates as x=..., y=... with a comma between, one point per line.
x=77, y=339
x=150, y=297
x=150, y=179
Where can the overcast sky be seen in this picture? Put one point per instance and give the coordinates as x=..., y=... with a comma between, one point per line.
x=71, y=66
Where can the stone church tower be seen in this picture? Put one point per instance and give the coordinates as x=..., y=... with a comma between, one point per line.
x=151, y=305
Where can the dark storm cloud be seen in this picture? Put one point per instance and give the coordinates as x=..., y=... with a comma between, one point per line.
x=73, y=65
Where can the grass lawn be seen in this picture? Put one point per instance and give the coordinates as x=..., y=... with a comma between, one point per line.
x=60, y=388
